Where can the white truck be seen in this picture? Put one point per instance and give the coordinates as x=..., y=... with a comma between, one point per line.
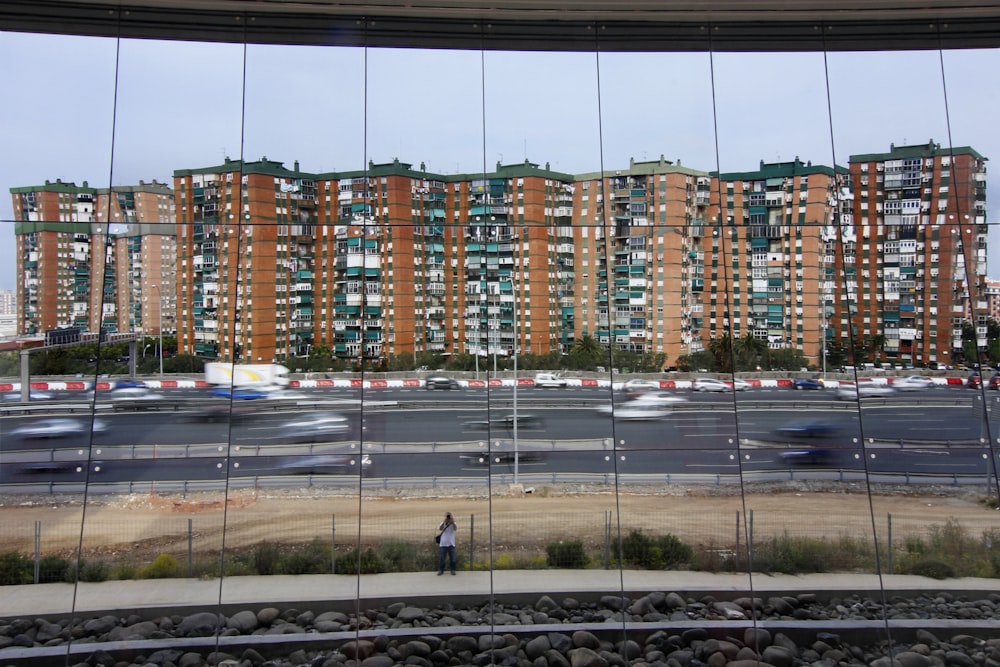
x=261, y=376
x=544, y=380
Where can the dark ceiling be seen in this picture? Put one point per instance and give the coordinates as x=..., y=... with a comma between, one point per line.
x=532, y=25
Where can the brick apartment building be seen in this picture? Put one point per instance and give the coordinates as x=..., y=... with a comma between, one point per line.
x=261, y=262
x=911, y=263
x=87, y=257
x=386, y=261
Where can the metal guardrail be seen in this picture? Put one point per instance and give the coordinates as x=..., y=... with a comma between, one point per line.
x=496, y=479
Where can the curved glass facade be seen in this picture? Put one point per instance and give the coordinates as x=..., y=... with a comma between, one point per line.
x=701, y=323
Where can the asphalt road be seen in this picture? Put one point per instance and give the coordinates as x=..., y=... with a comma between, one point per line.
x=468, y=433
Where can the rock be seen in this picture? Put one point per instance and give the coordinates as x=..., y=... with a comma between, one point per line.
x=757, y=638
x=584, y=639
x=560, y=642
x=267, y=616
x=546, y=604
x=243, y=621
x=410, y=614
x=586, y=657
x=100, y=626
x=460, y=643
x=958, y=659
x=926, y=637
x=190, y=659
x=377, y=661
x=536, y=648
x=556, y=659
x=358, y=649
x=674, y=601
x=779, y=656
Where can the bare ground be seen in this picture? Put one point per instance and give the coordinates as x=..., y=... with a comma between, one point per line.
x=139, y=526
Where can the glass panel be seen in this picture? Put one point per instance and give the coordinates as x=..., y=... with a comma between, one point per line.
x=798, y=447
x=46, y=219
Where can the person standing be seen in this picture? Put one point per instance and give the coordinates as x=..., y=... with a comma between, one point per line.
x=446, y=546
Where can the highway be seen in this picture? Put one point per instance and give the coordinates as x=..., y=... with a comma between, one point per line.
x=408, y=434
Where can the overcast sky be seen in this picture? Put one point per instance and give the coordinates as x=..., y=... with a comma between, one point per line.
x=180, y=105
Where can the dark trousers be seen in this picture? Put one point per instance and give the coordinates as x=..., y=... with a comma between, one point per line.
x=450, y=553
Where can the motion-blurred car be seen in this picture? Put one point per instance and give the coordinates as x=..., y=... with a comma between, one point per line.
x=710, y=384
x=240, y=393
x=808, y=383
x=741, y=385
x=33, y=395
x=129, y=383
x=659, y=398
x=506, y=423
x=639, y=411
x=317, y=428
x=638, y=384
x=133, y=396
x=58, y=427
x=807, y=456
x=441, y=382
x=327, y=464
x=808, y=428
x=975, y=381
x=848, y=391
x=912, y=383
x=994, y=382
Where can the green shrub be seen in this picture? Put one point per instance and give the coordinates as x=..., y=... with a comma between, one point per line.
x=933, y=569
x=94, y=571
x=370, y=563
x=567, y=555
x=266, y=558
x=673, y=551
x=400, y=556
x=637, y=549
x=125, y=571
x=312, y=558
x=654, y=553
x=15, y=569
x=52, y=569
x=163, y=566
x=791, y=555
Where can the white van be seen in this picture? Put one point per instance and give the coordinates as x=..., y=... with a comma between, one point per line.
x=549, y=380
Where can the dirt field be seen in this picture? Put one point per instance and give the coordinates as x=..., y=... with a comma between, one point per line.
x=142, y=525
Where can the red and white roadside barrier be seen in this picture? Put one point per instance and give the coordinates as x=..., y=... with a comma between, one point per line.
x=416, y=383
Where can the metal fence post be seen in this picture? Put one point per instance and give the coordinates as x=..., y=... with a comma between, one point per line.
x=750, y=544
x=190, y=547
x=737, y=563
x=333, y=544
x=889, y=546
x=607, y=539
x=472, y=541
x=38, y=549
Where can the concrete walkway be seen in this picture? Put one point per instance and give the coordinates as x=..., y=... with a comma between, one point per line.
x=341, y=591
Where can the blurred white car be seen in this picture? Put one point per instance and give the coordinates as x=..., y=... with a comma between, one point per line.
x=327, y=464
x=134, y=394
x=317, y=427
x=58, y=427
x=640, y=385
x=710, y=384
x=741, y=385
x=849, y=391
x=659, y=398
x=912, y=383
x=33, y=395
x=640, y=411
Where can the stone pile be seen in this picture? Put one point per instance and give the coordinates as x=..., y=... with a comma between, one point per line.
x=706, y=632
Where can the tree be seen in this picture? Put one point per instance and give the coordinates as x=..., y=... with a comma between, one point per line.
x=721, y=349
x=876, y=344
x=750, y=353
x=587, y=354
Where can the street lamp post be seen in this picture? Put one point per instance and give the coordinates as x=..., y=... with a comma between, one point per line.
x=159, y=323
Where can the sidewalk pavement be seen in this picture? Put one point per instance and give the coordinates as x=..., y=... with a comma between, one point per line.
x=150, y=596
